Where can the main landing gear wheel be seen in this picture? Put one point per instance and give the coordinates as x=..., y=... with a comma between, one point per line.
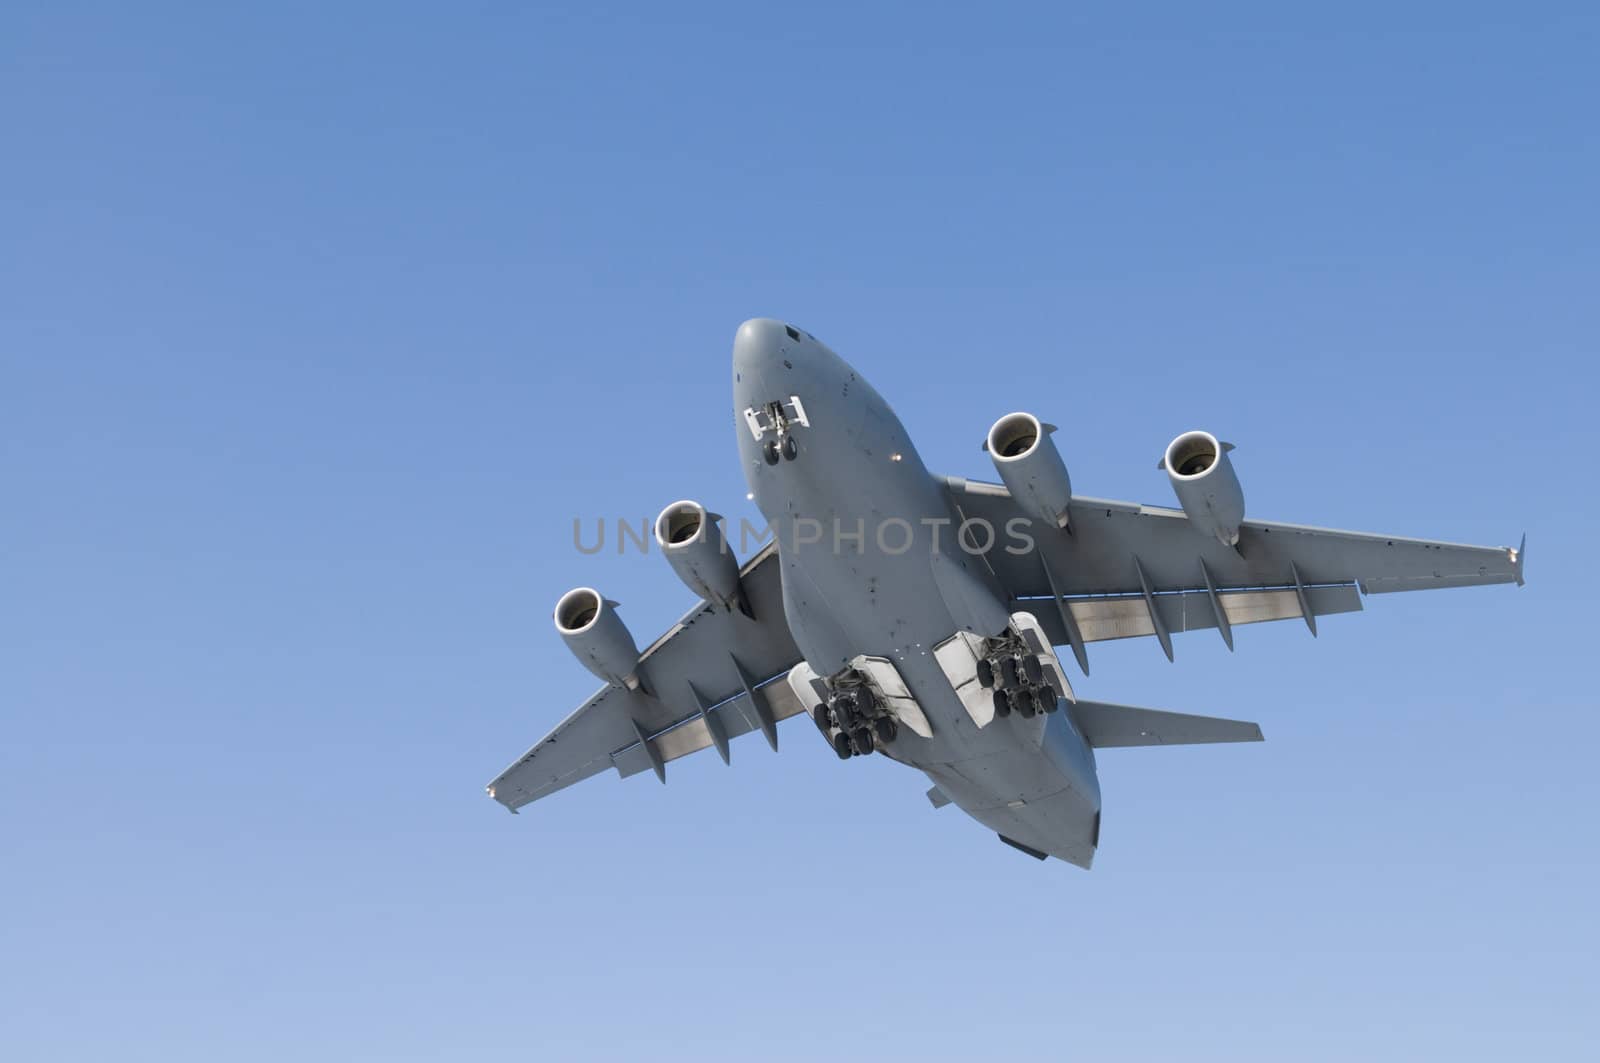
x=1002, y=703
x=985, y=673
x=1025, y=704
x=886, y=729
x=1008, y=672
x=791, y=449
x=841, y=745
x=769, y=451
x=819, y=716
x=1044, y=699
x=863, y=741
x=845, y=710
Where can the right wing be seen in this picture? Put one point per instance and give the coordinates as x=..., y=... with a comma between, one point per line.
x=1127, y=570
x=715, y=675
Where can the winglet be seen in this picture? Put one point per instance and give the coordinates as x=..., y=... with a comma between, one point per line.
x=1518, y=556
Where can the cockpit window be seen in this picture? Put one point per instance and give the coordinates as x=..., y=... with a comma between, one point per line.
x=793, y=332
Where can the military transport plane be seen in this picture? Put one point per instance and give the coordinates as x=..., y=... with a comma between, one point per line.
x=917, y=616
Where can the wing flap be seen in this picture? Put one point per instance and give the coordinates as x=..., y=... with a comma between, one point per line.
x=692, y=735
x=1106, y=617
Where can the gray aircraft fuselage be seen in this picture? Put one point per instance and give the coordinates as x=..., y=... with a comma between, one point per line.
x=871, y=565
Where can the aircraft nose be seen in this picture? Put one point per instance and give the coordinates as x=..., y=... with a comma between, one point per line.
x=757, y=343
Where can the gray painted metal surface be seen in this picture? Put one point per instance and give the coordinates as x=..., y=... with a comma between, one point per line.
x=833, y=471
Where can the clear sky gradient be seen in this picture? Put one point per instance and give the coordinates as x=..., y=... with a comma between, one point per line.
x=320, y=323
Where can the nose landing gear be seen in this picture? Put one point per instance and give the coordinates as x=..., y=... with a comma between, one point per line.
x=777, y=418
x=772, y=450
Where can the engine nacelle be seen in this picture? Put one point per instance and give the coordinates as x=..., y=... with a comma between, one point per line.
x=1207, y=487
x=596, y=635
x=698, y=552
x=1031, y=467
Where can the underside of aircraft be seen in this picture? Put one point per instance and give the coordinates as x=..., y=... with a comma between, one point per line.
x=918, y=617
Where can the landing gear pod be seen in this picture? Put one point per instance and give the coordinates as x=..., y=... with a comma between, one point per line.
x=1207, y=487
x=1031, y=467
x=698, y=552
x=596, y=635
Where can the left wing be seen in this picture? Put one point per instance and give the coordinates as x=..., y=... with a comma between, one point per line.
x=714, y=676
x=1127, y=570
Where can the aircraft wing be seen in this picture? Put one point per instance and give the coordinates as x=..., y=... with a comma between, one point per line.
x=715, y=675
x=1127, y=570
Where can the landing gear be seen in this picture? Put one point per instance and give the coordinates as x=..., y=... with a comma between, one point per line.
x=776, y=419
x=844, y=710
x=1017, y=678
x=864, y=725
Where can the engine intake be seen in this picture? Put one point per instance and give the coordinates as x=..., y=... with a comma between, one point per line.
x=1202, y=477
x=1027, y=460
x=596, y=635
x=692, y=541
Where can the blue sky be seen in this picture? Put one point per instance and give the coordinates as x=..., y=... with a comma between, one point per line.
x=319, y=323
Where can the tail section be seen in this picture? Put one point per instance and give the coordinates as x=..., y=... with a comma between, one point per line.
x=1105, y=726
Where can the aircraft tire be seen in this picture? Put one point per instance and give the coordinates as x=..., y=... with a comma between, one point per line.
x=845, y=710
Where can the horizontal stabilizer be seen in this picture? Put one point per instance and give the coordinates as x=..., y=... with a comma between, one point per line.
x=1106, y=725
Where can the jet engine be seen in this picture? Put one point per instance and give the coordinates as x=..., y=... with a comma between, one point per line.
x=1208, y=489
x=698, y=552
x=1031, y=467
x=596, y=635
